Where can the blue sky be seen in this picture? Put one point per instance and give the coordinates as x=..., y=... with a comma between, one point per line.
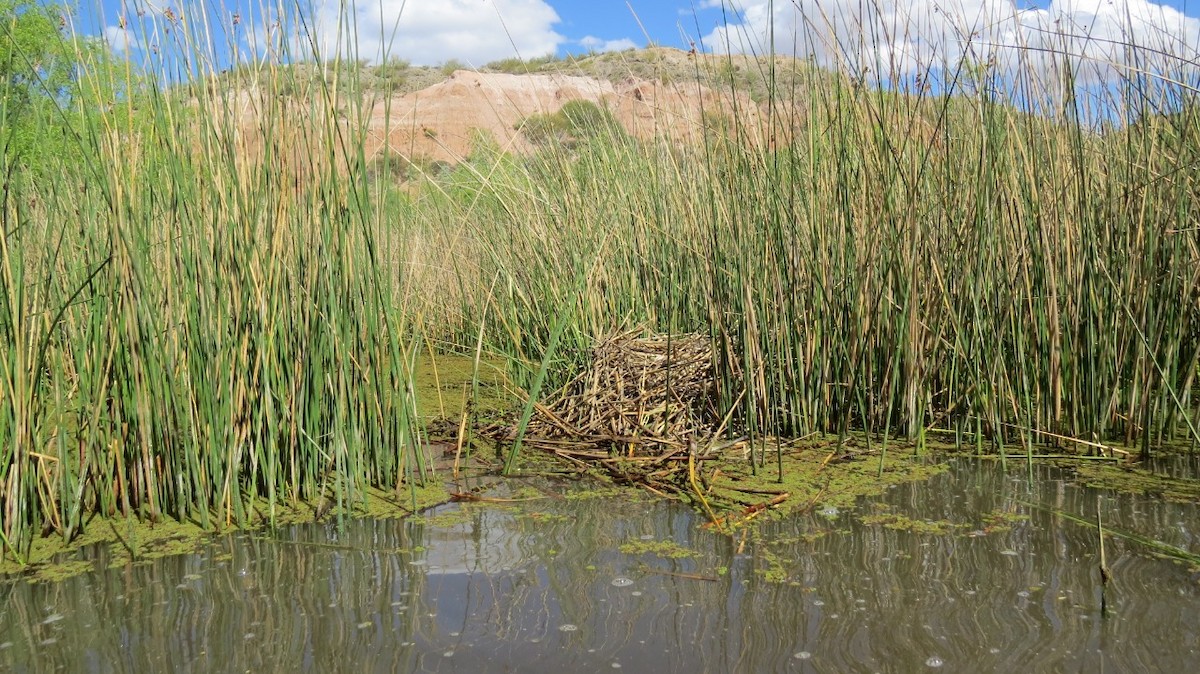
x=910, y=35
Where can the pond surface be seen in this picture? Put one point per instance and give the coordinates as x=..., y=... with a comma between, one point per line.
x=985, y=576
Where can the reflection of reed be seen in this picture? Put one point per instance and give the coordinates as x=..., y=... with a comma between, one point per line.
x=889, y=599
x=496, y=585
x=246, y=602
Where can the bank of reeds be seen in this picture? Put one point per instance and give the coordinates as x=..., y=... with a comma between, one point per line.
x=216, y=308
x=196, y=319
x=998, y=260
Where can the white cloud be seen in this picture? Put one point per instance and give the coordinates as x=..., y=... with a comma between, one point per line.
x=884, y=38
x=120, y=39
x=424, y=32
x=595, y=44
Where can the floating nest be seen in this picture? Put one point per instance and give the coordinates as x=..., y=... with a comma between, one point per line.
x=640, y=397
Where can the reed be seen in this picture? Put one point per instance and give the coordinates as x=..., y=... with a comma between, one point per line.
x=997, y=257
x=196, y=319
x=215, y=301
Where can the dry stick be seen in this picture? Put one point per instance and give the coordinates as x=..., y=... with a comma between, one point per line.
x=808, y=506
x=652, y=490
x=462, y=432
x=748, y=490
x=1105, y=574
x=1096, y=445
x=582, y=466
x=699, y=494
x=754, y=510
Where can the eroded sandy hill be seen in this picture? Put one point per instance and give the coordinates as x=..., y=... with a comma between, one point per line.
x=442, y=121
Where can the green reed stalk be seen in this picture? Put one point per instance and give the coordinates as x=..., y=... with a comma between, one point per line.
x=197, y=317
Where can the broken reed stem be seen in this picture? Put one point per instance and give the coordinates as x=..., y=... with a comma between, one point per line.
x=1105, y=574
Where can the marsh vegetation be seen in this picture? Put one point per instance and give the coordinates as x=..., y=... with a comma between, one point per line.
x=213, y=301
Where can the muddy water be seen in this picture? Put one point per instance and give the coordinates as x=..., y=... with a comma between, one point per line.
x=983, y=576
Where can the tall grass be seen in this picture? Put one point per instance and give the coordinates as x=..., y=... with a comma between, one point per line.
x=197, y=322
x=996, y=259
x=218, y=306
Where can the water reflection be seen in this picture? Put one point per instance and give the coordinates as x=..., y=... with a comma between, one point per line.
x=543, y=586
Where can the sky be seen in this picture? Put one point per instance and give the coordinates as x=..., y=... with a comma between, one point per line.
x=900, y=36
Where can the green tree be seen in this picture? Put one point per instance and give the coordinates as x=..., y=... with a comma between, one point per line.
x=35, y=71
x=41, y=83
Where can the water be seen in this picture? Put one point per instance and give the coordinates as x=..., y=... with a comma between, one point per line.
x=542, y=586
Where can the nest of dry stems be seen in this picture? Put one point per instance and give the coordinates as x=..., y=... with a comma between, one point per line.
x=641, y=396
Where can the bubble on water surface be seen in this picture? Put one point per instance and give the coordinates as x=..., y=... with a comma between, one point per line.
x=818, y=602
x=567, y=628
x=448, y=654
x=364, y=625
x=1009, y=553
x=1023, y=593
x=802, y=655
x=830, y=511
x=934, y=661
x=52, y=618
x=636, y=593
x=616, y=665
x=621, y=581
x=417, y=562
x=647, y=537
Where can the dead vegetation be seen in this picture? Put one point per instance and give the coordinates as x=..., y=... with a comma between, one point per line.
x=644, y=411
x=641, y=397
